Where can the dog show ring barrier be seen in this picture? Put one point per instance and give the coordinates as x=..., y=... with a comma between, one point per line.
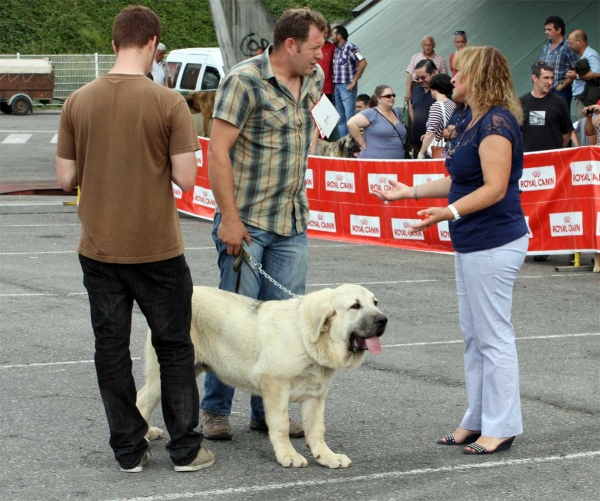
x=560, y=198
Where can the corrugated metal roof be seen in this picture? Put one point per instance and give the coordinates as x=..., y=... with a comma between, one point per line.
x=390, y=32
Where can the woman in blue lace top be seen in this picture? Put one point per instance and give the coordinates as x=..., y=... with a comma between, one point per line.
x=489, y=235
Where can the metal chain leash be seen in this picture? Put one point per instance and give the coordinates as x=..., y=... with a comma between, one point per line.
x=258, y=266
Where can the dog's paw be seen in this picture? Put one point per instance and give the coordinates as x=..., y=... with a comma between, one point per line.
x=334, y=460
x=293, y=459
x=154, y=433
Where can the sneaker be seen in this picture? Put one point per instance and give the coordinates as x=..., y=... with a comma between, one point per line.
x=216, y=426
x=204, y=459
x=139, y=467
x=296, y=430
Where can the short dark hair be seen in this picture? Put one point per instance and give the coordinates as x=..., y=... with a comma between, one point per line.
x=343, y=32
x=441, y=83
x=296, y=23
x=429, y=65
x=538, y=66
x=557, y=22
x=135, y=26
x=363, y=98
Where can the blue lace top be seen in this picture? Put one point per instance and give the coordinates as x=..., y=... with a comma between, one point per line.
x=504, y=221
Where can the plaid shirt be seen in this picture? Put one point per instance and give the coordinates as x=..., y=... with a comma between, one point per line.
x=269, y=157
x=345, y=63
x=438, y=61
x=561, y=57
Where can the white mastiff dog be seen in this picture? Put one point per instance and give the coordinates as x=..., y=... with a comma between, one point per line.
x=285, y=351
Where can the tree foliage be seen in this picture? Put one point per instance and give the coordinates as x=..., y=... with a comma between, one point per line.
x=84, y=26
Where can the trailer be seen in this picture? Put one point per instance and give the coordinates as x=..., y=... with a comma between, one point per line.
x=22, y=81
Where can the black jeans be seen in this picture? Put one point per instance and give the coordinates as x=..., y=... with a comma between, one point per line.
x=163, y=291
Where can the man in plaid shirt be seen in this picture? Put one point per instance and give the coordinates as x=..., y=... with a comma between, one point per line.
x=557, y=53
x=261, y=132
x=348, y=66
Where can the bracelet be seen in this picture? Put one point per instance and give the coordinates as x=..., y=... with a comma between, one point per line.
x=415, y=192
x=454, y=213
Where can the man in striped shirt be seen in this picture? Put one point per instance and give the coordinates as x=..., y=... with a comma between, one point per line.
x=262, y=129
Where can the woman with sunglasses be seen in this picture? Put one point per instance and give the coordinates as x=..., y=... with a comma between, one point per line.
x=489, y=235
x=384, y=134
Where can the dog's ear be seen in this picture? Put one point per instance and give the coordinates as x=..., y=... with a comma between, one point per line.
x=320, y=311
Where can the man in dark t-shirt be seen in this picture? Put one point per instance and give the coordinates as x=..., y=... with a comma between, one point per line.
x=420, y=102
x=546, y=120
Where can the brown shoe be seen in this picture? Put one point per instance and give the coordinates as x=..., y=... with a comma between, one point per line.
x=204, y=459
x=216, y=426
x=296, y=430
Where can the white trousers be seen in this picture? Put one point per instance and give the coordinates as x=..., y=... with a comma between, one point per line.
x=484, y=282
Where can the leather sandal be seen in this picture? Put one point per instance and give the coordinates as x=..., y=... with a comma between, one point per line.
x=479, y=449
x=450, y=440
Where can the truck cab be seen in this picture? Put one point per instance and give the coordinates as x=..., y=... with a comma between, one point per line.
x=194, y=70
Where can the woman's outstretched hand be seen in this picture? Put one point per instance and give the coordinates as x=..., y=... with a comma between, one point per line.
x=398, y=192
x=431, y=216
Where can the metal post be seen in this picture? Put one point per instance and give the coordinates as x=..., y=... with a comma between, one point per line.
x=96, y=63
x=18, y=55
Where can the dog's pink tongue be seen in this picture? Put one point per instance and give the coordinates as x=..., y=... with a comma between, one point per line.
x=373, y=345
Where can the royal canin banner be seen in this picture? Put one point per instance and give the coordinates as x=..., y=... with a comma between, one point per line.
x=560, y=198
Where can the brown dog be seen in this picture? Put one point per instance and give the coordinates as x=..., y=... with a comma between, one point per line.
x=201, y=103
x=345, y=147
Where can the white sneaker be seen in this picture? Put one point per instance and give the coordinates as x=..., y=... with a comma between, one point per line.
x=139, y=467
x=204, y=459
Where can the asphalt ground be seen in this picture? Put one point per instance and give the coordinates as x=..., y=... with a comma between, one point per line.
x=385, y=415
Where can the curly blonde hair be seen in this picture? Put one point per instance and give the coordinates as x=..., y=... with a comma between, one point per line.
x=486, y=75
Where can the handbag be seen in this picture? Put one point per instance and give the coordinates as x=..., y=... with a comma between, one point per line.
x=437, y=147
x=406, y=152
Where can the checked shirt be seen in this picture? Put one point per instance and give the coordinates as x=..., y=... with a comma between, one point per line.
x=562, y=57
x=269, y=157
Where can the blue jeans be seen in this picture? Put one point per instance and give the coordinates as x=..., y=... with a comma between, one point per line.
x=163, y=291
x=345, y=104
x=285, y=260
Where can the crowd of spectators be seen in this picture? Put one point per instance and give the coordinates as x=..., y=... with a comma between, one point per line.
x=568, y=70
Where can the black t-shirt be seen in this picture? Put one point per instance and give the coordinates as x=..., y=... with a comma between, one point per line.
x=545, y=120
x=421, y=102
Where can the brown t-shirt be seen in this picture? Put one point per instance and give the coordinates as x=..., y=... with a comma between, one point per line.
x=121, y=130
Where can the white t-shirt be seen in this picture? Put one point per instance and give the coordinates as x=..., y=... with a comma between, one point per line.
x=158, y=73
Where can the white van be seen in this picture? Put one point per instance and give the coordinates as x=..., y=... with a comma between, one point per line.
x=196, y=69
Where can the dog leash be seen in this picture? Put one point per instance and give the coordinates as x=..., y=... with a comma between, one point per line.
x=244, y=255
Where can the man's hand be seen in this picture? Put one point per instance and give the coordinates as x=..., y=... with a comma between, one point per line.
x=572, y=75
x=232, y=233
x=351, y=85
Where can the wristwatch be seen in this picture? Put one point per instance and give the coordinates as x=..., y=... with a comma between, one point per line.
x=454, y=212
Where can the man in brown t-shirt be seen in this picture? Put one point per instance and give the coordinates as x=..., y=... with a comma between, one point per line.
x=122, y=140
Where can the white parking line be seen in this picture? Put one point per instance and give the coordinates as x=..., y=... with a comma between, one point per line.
x=363, y=478
x=16, y=139
x=32, y=131
x=460, y=341
x=46, y=364
x=54, y=139
x=430, y=343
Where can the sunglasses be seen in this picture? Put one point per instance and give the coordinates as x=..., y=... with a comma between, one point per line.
x=421, y=79
x=462, y=33
x=389, y=96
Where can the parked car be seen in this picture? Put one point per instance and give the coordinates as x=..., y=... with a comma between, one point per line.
x=196, y=69
x=22, y=81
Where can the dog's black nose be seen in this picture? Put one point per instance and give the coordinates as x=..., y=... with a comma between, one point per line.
x=381, y=321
